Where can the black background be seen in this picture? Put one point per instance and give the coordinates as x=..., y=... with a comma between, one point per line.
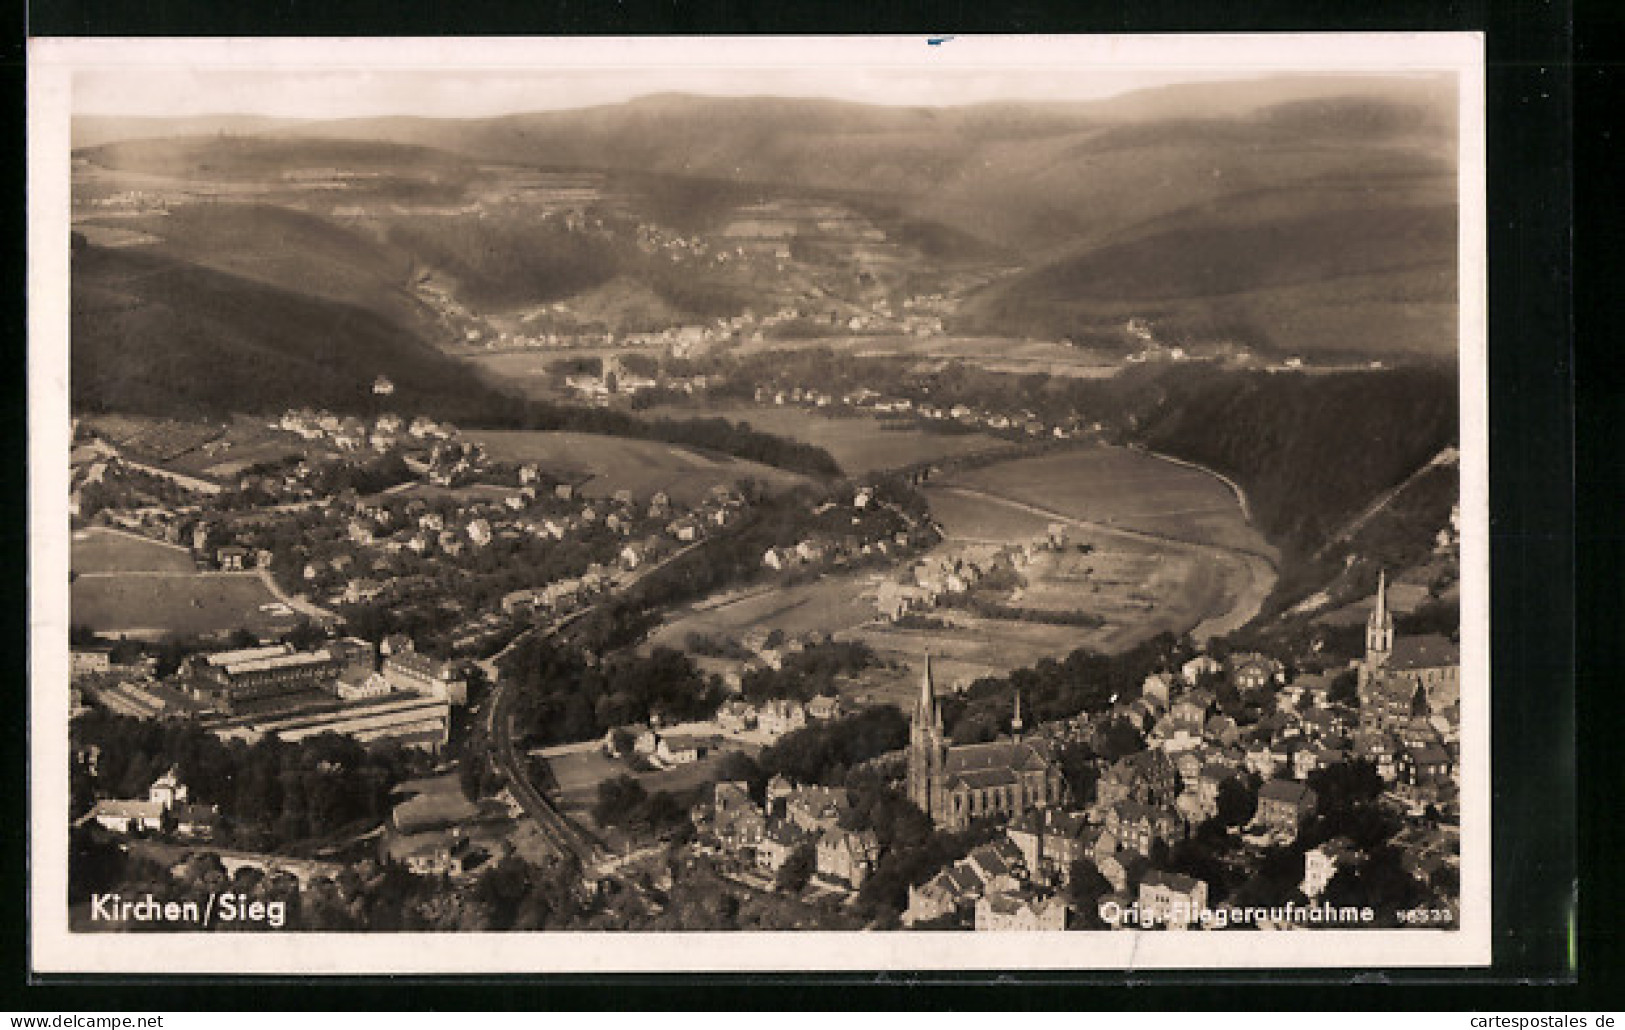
x=1557, y=793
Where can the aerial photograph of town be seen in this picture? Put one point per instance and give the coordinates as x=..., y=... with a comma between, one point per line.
x=753, y=508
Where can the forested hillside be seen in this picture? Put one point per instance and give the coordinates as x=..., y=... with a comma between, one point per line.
x=1311, y=450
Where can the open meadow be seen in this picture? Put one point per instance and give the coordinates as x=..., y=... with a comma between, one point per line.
x=153, y=605
x=827, y=605
x=1117, y=486
x=859, y=443
x=578, y=770
x=98, y=549
x=616, y=463
x=246, y=441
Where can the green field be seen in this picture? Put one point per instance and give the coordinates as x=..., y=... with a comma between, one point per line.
x=859, y=444
x=246, y=441
x=1123, y=488
x=831, y=604
x=619, y=463
x=153, y=605
x=105, y=550
x=578, y=773
x=967, y=517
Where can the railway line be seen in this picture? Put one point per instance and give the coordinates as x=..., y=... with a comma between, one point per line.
x=561, y=835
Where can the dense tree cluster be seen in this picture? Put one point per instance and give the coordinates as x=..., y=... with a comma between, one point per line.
x=623, y=801
x=1085, y=681
x=808, y=673
x=560, y=696
x=826, y=752
x=272, y=794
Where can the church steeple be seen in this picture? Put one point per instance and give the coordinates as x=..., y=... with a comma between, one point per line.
x=1015, y=722
x=1379, y=628
x=927, y=713
x=926, y=745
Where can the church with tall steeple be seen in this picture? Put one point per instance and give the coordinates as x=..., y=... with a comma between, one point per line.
x=1401, y=678
x=955, y=784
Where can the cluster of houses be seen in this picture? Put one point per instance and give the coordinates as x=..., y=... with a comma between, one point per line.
x=791, y=817
x=167, y=808
x=351, y=433
x=1023, y=422
x=661, y=750
x=1405, y=725
x=867, y=528
x=942, y=579
x=776, y=717
x=385, y=539
x=994, y=884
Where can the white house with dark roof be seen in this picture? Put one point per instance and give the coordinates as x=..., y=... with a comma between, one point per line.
x=1171, y=900
x=1020, y=911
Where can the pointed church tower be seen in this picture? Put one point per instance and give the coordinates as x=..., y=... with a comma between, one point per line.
x=925, y=744
x=1015, y=722
x=1379, y=628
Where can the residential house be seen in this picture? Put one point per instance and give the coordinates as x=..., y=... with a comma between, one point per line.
x=194, y=820
x=1020, y=911
x=846, y=856
x=1201, y=665
x=679, y=750
x=1188, y=715
x=1050, y=841
x=1321, y=863
x=1208, y=783
x=127, y=816
x=1137, y=826
x=736, y=716
x=1147, y=777
x=817, y=809
x=1251, y=672
x=953, y=891
x=1157, y=688
x=1261, y=759
x=781, y=716
x=736, y=820
x=434, y=856
x=89, y=661
x=779, y=839
x=1378, y=749
x=1113, y=865
x=779, y=790
x=1284, y=804
x=1173, y=900
x=822, y=708
x=1424, y=771
x=1000, y=865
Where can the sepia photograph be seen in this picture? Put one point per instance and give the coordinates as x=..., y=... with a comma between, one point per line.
x=579, y=505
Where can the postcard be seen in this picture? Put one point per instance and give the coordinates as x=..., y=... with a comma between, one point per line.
x=758, y=504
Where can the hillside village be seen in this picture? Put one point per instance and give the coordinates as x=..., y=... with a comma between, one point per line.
x=1232, y=767
x=547, y=538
